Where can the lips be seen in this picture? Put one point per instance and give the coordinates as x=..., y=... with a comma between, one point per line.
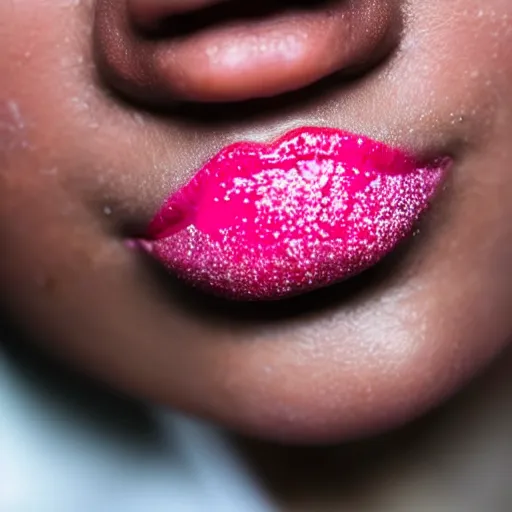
x=265, y=222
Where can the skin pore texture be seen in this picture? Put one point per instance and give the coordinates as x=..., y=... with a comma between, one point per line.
x=100, y=120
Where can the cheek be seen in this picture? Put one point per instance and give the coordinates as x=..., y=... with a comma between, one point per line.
x=12, y=129
x=60, y=126
x=45, y=61
x=455, y=65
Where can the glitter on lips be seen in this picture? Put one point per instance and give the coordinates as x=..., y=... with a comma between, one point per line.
x=264, y=222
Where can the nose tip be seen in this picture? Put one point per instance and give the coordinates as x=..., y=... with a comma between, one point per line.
x=230, y=50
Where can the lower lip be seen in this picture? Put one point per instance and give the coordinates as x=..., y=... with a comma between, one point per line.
x=266, y=222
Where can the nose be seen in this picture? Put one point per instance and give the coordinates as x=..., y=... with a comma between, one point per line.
x=162, y=51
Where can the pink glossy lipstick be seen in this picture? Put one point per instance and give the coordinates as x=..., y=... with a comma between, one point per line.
x=268, y=221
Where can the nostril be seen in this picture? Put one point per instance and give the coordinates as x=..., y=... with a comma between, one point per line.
x=179, y=19
x=231, y=50
x=148, y=13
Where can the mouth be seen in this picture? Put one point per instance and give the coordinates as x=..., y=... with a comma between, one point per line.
x=311, y=209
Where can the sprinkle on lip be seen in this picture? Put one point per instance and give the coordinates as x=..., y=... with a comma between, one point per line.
x=264, y=222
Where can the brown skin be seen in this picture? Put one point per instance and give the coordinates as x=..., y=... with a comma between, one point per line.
x=456, y=459
x=81, y=168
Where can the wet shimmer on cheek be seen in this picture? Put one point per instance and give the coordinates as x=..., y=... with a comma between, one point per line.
x=263, y=222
